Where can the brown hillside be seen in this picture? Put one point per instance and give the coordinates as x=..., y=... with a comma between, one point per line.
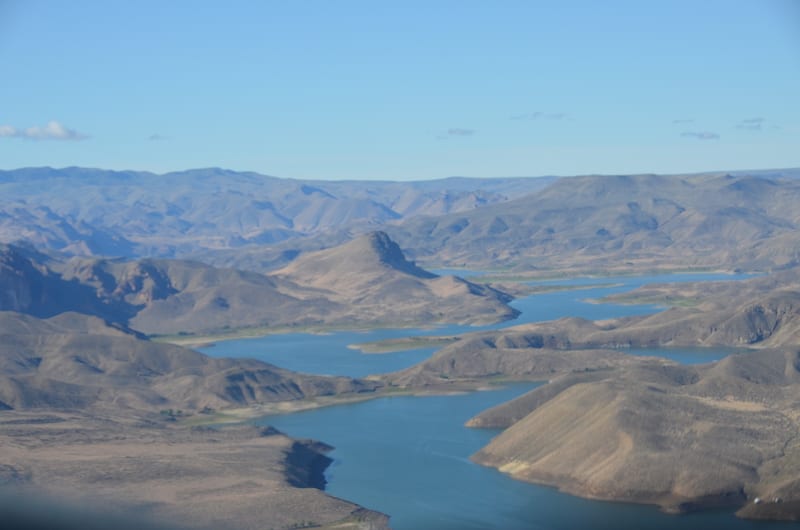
x=680, y=437
x=77, y=362
x=372, y=278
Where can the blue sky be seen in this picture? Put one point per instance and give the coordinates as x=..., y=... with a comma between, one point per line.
x=401, y=89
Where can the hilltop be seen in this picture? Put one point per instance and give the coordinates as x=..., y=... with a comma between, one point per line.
x=371, y=276
x=366, y=281
x=626, y=222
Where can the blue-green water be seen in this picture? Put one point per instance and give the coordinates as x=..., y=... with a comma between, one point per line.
x=686, y=355
x=409, y=456
x=328, y=354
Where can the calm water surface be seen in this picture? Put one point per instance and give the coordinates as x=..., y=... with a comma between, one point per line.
x=409, y=456
x=328, y=353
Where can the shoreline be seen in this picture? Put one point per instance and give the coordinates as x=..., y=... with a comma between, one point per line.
x=206, y=340
x=211, y=339
x=554, y=275
x=667, y=504
x=779, y=512
x=265, y=475
x=244, y=414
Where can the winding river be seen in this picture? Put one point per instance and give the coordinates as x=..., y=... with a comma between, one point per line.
x=408, y=456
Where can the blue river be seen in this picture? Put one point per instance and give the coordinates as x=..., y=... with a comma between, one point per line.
x=408, y=456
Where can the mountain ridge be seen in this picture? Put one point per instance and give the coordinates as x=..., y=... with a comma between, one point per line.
x=366, y=281
x=88, y=211
x=75, y=361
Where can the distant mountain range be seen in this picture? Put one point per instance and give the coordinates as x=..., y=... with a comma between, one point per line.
x=248, y=221
x=87, y=211
x=607, y=223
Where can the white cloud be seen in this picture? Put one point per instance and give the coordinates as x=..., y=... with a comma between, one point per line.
x=751, y=124
x=701, y=135
x=539, y=115
x=52, y=131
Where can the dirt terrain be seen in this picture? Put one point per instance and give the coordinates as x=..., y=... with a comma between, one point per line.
x=172, y=475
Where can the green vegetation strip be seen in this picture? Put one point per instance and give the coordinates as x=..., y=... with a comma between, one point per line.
x=551, y=275
x=652, y=299
x=207, y=339
x=402, y=344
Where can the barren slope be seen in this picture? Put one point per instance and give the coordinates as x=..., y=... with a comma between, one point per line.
x=366, y=281
x=681, y=437
x=627, y=222
x=122, y=472
x=77, y=362
x=756, y=313
x=372, y=278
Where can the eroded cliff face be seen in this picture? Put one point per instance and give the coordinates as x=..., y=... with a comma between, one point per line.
x=28, y=286
x=134, y=474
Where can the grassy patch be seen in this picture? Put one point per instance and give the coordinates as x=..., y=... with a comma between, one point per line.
x=652, y=299
x=402, y=344
x=208, y=339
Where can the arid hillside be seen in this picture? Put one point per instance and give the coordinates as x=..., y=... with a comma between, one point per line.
x=607, y=223
x=682, y=437
x=371, y=276
x=77, y=362
x=366, y=281
x=762, y=312
x=87, y=212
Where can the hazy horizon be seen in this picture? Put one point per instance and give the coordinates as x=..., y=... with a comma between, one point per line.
x=431, y=179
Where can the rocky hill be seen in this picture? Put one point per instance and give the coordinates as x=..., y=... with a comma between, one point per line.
x=757, y=313
x=682, y=437
x=607, y=223
x=365, y=281
x=371, y=276
x=79, y=362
